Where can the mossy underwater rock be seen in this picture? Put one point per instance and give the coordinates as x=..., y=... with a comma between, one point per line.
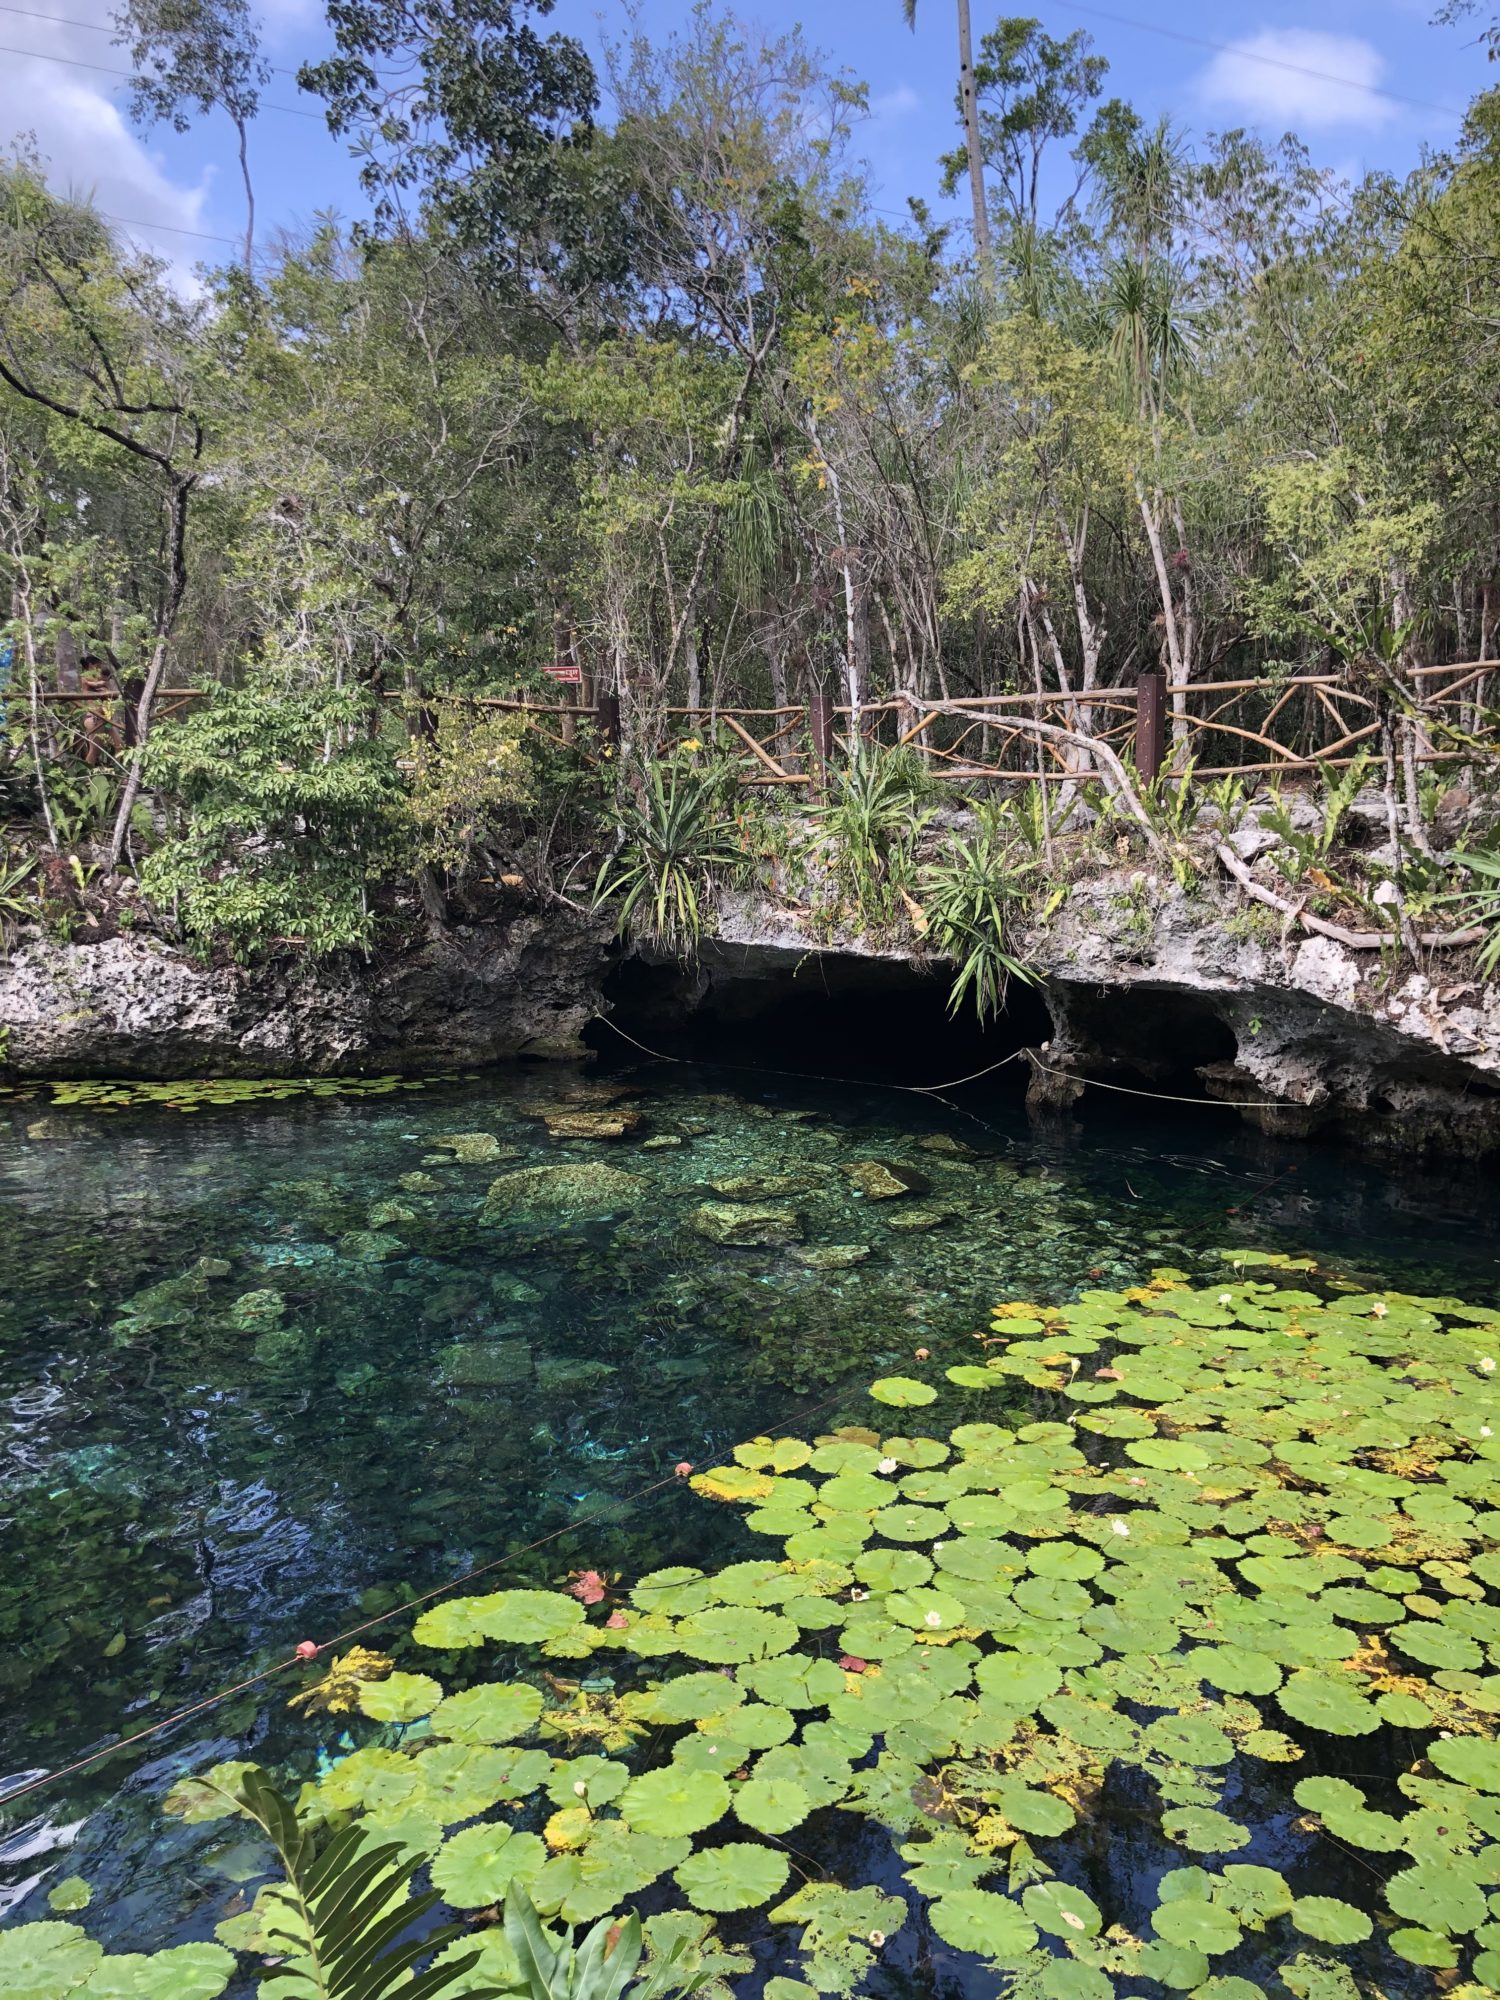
x=475, y=1149
x=486, y=1364
x=749, y=1187
x=744, y=1226
x=831, y=1256
x=583, y=1188
x=916, y=1221
x=885, y=1180
x=614, y=1124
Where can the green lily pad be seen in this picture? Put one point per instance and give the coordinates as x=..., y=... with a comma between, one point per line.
x=1330, y=1921
x=671, y=1802
x=737, y=1876
x=902, y=1392
x=476, y=1866
x=993, y=1927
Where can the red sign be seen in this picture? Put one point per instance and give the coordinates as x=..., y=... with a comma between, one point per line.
x=573, y=675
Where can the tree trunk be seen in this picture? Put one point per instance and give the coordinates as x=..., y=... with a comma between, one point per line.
x=239, y=126
x=968, y=98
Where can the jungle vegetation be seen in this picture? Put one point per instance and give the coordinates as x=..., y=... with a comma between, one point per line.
x=666, y=401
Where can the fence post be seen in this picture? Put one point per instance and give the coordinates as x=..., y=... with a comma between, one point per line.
x=820, y=725
x=607, y=717
x=1150, y=724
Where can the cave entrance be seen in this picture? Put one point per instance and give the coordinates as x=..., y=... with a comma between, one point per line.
x=827, y=1013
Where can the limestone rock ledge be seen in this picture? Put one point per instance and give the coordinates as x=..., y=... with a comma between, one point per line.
x=1149, y=986
x=133, y=1007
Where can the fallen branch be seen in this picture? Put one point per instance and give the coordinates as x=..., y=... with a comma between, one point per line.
x=1353, y=940
x=1113, y=772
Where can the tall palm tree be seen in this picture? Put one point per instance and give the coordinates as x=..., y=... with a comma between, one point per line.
x=969, y=102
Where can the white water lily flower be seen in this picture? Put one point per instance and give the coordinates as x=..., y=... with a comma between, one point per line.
x=1226, y=1298
x=934, y=1618
x=1485, y=1431
x=1379, y=1309
x=1118, y=1528
x=887, y=1465
x=877, y=1938
x=580, y=1789
x=1486, y=1364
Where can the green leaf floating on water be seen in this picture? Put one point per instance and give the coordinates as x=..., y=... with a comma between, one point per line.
x=737, y=1876
x=497, y=1713
x=1333, y=1922
x=674, y=1802
x=476, y=1866
x=992, y=1926
x=1286, y=1530
x=400, y=1698
x=902, y=1392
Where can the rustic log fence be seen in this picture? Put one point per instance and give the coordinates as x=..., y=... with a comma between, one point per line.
x=1249, y=728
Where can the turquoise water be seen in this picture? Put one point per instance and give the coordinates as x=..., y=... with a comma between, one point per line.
x=270, y=1370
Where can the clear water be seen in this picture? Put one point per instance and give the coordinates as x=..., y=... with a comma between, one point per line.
x=198, y=1475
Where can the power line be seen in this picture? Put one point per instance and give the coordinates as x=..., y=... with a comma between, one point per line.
x=99, y=28
x=75, y=62
x=172, y=228
x=1266, y=62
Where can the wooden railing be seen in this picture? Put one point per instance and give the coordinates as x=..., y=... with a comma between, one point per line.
x=1234, y=728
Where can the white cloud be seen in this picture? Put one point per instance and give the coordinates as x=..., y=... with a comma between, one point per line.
x=897, y=103
x=86, y=145
x=1300, y=77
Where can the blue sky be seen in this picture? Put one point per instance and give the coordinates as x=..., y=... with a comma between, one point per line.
x=1366, y=85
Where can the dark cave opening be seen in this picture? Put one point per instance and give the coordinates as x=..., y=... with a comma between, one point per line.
x=823, y=1013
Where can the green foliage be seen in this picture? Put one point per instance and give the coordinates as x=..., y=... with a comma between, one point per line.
x=970, y=898
x=1268, y=1521
x=289, y=800
x=469, y=770
x=345, y=1907
x=1299, y=854
x=678, y=842
x=878, y=806
x=1478, y=905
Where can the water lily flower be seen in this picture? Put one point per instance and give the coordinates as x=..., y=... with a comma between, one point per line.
x=1118, y=1527
x=934, y=1618
x=877, y=1938
x=1380, y=1309
x=1485, y=1431
x=887, y=1465
x=580, y=1789
x=1226, y=1298
x=1486, y=1364
x=858, y=1596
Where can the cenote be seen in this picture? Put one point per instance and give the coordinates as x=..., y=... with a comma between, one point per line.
x=274, y=1367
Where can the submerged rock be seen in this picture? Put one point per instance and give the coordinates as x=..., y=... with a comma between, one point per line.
x=571, y=1375
x=885, y=1180
x=390, y=1211
x=419, y=1183
x=584, y=1188
x=831, y=1256
x=743, y=1187
x=371, y=1246
x=486, y=1364
x=664, y=1142
x=910, y=1221
x=747, y=1227
x=474, y=1149
x=944, y=1142
x=614, y=1124
x=514, y=1291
